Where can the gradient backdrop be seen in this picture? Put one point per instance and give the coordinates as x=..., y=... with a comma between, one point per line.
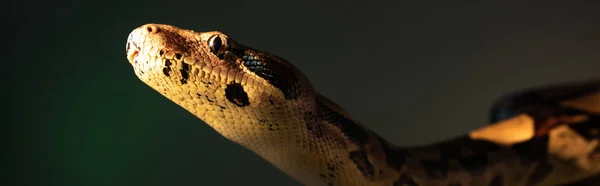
x=413, y=72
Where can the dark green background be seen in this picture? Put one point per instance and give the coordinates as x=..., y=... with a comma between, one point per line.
x=413, y=72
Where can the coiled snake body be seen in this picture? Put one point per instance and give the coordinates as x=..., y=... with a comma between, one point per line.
x=544, y=136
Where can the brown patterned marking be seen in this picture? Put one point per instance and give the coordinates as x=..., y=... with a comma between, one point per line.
x=329, y=175
x=355, y=133
x=361, y=160
x=326, y=179
x=312, y=126
x=472, y=155
x=185, y=70
x=332, y=170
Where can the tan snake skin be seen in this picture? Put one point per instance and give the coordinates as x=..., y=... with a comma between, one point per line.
x=544, y=136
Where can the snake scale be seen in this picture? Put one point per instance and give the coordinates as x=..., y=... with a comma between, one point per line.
x=542, y=136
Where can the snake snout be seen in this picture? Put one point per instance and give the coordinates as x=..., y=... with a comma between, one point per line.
x=136, y=39
x=132, y=47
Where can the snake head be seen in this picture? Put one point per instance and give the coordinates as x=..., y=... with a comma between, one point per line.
x=168, y=49
x=215, y=78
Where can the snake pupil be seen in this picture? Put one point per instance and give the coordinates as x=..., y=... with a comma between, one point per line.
x=215, y=44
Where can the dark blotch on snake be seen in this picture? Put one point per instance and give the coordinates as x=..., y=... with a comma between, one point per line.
x=357, y=135
x=185, y=70
x=274, y=71
x=167, y=68
x=353, y=131
x=312, y=126
x=178, y=56
x=235, y=93
x=362, y=162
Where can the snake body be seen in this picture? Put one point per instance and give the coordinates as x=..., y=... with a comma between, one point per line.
x=545, y=136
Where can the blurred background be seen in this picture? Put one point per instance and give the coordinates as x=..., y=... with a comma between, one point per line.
x=414, y=72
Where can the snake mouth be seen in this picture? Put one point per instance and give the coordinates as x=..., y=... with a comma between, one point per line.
x=132, y=52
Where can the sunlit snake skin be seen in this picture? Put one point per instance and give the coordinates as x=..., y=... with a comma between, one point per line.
x=265, y=104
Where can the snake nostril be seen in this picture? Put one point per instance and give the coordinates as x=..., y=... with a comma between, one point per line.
x=152, y=29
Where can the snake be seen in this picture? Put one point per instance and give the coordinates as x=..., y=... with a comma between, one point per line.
x=546, y=135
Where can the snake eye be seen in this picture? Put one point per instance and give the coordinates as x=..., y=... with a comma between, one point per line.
x=217, y=45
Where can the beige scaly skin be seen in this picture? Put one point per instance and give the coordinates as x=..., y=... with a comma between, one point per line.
x=265, y=104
